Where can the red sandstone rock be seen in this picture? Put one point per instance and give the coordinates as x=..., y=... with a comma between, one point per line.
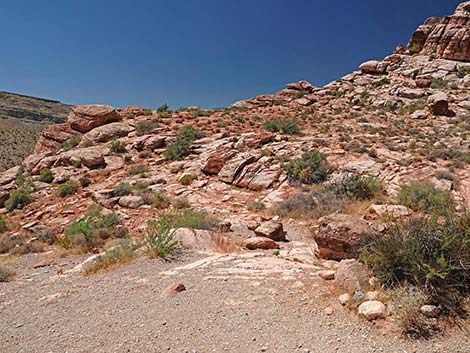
x=84, y=118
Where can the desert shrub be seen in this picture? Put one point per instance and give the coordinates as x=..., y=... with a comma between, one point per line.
x=311, y=168
x=68, y=188
x=138, y=169
x=71, y=142
x=164, y=115
x=84, y=181
x=158, y=200
x=159, y=238
x=187, y=179
x=408, y=301
x=163, y=108
x=3, y=224
x=91, y=230
x=87, y=143
x=6, y=273
x=282, y=126
x=181, y=147
x=119, y=254
x=429, y=252
x=314, y=204
x=117, y=146
x=21, y=196
x=148, y=112
x=425, y=196
x=144, y=154
x=463, y=71
x=381, y=82
x=145, y=126
x=300, y=94
x=200, y=112
x=180, y=203
x=439, y=83
x=46, y=175
x=122, y=189
x=360, y=187
x=256, y=206
x=188, y=218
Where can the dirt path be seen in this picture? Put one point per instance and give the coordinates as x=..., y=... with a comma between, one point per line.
x=233, y=303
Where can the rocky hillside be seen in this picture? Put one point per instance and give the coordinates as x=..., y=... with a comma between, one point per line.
x=331, y=163
x=22, y=118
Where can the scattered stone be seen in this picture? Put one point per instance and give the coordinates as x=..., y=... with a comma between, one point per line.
x=344, y=299
x=260, y=243
x=131, y=201
x=173, y=290
x=272, y=230
x=430, y=310
x=372, y=310
x=327, y=275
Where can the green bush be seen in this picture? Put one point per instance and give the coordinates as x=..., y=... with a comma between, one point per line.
x=430, y=252
x=84, y=181
x=181, y=203
x=117, y=147
x=145, y=126
x=148, y=112
x=46, y=175
x=188, y=218
x=425, y=196
x=312, y=204
x=71, y=142
x=91, y=230
x=282, y=126
x=68, y=188
x=138, y=169
x=381, y=82
x=157, y=199
x=163, y=108
x=300, y=94
x=3, y=224
x=159, y=238
x=181, y=147
x=311, y=168
x=187, y=179
x=122, y=189
x=22, y=195
x=6, y=273
x=360, y=187
x=120, y=253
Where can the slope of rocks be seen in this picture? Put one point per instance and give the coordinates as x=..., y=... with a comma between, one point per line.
x=401, y=119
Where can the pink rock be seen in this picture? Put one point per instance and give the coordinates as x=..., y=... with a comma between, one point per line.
x=261, y=243
x=173, y=290
x=84, y=118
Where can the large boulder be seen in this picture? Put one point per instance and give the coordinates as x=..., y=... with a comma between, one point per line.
x=214, y=163
x=339, y=236
x=439, y=103
x=258, y=177
x=374, y=67
x=351, y=274
x=107, y=132
x=90, y=157
x=84, y=118
x=262, y=243
x=447, y=38
x=232, y=169
x=272, y=230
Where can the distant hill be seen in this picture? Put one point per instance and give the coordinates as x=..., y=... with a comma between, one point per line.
x=14, y=105
x=22, y=118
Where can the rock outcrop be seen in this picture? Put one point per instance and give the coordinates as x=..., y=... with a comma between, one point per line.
x=447, y=38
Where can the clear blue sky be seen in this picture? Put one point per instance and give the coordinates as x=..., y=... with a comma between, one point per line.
x=193, y=52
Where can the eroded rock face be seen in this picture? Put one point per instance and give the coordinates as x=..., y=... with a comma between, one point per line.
x=87, y=117
x=447, y=38
x=53, y=136
x=107, y=132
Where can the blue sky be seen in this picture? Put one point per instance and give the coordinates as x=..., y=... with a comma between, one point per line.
x=193, y=52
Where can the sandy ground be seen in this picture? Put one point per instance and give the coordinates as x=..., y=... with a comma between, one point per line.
x=231, y=304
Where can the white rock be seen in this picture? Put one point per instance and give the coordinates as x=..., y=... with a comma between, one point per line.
x=344, y=298
x=372, y=310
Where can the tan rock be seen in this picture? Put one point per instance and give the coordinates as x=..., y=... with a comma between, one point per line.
x=372, y=310
x=272, y=230
x=173, y=290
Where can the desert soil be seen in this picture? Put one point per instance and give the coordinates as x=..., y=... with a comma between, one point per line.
x=232, y=303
